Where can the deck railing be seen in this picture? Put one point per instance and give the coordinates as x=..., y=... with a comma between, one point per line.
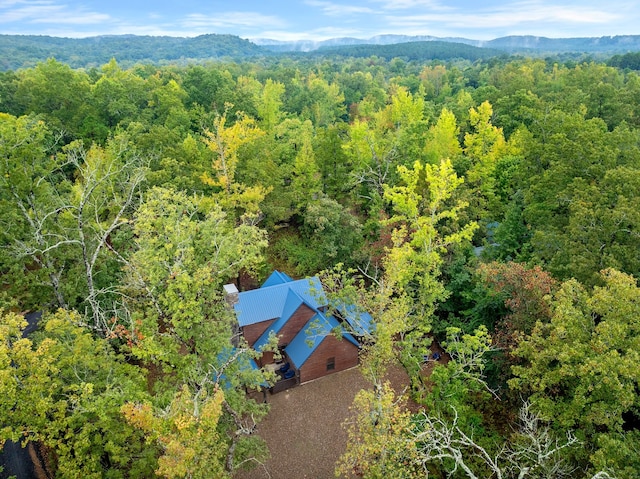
x=284, y=384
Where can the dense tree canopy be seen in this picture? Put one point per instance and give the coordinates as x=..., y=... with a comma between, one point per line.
x=491, y=206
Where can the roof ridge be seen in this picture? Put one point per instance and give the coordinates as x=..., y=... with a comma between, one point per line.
x=269, y=302
x=278, y=285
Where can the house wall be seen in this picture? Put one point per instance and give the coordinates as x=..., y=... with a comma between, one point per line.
x=295, y=324
x=252, y=332
x=344, y=352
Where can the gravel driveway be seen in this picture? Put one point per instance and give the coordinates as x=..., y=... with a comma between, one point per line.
x=304, y=430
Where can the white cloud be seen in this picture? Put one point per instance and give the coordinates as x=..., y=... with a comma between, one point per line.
x=539, y=12
x=338, y=10
x=407, y=4
x=323, y=19
x=515, y=16
x=48, y=12
x=11, y=3
x=232, y=19
x=62, y=18
x=313, y=35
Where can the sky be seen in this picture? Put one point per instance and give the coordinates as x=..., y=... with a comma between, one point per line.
x=321, y=19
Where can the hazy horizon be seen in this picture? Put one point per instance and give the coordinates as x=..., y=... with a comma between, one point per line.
x=318, y=20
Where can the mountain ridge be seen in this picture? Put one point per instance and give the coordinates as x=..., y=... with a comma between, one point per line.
x=24, y=51
x=384, y=39
x=511, y=43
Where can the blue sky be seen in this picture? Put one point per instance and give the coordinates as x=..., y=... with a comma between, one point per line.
x=321, y=19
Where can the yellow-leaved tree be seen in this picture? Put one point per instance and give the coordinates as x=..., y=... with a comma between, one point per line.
x=426, y=225
x=225, y=140
x=187, y=432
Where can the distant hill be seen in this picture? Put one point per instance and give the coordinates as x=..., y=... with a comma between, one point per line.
x=23, y=51
x=20, y=51
x=308, y=45
x=615, y=44
x=425, y=50
x=512, y=44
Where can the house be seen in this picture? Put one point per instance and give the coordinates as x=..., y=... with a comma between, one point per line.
x=296, y=312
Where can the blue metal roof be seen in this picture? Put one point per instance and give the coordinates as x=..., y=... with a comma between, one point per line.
x=311, y=336
x=361, y=322
x=268, y=302
x=292, y=303
x=277, y=277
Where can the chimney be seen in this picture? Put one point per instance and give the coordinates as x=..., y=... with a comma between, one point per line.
x=230, y=294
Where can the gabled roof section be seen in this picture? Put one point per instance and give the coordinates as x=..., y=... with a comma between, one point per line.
x=360, y=322
x=311, y=336
x=311, y=290
x=291, y=305
x=268, y=302
x=277, y=277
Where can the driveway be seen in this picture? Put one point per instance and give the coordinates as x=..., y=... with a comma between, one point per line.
x=304, y=430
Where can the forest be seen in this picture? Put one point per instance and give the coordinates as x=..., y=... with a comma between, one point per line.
x=26, y=51
x=491, y=204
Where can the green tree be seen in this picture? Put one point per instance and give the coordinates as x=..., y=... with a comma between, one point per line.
x=332, y=161
x=269, y=104
x=119, y=95
x=65, y=389
x=65, y=213
x=268, y=164
x=484, y=146
x=436, y=81
x=8, y=87
x=603, y=225
x=181, y=164
x=305, y=184
x=395, y=135
x=580, y=179
x=193, y=431
x=225, y=141
x=457, y=387
x=377, y=446
x=99, y=207
x=318, y=100
x=401, y=301
x=30, y=200
x=186, y=249
x=448, y=436
x=187, y=432
x=333, y=233
x=443, y=142
x=210, y=87
x=582, y=369
x=56, y=91
x=167, y=103
x=426, y=215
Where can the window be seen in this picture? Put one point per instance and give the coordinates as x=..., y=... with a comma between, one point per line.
x=331, y=364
